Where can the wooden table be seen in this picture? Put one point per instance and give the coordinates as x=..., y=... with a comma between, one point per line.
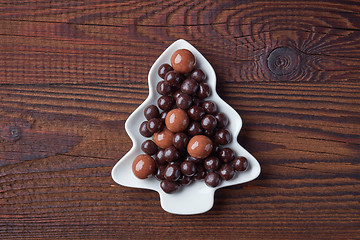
x=71, y=72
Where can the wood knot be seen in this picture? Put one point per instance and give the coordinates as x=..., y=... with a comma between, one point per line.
x=283, y=61
x=11, y=133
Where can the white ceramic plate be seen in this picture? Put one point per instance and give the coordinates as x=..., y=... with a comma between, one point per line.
x=197, y=197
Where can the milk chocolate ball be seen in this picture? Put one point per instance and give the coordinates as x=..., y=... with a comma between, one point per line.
x=164, y=138
x=177, y=120
x=199, y=146
x=183, y=61
x=143, y=166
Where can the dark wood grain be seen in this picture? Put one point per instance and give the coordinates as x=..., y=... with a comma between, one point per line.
x=71, y=72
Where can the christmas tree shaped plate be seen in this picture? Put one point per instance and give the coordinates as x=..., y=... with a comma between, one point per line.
x=196, y=197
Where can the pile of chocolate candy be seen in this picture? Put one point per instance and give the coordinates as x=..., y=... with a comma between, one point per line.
x=188, y=132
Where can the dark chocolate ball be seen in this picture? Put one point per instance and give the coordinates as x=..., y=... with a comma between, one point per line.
x=212, y=179
x=200, y=172
x=149, y=147
x=165, y=103
x=223, y=136
x=183, y=101
x=185, y=180
x=163, y=88
x=203, y=91
x=164, y=69
x=196, y=113
x=171, y=154
x=180, y=140
x=160, y=172
x=209, y=133
x=163, y=116
x=198, y=75
x=169, y=186
x=192, y=159
x=240, y=163
x=155, y=125
x=160, y=157
x=172, y=172
x=188, y=168
x=144, y=129
x=209, y=107
x=212, y=163
x=176, y=94
x=216, y=149
x=226, y=154
x=222, y=120
x=189, y=86
x=227, y=171
x=174, y=78
x=209, y=122
x=195, y=128
x=151, y=111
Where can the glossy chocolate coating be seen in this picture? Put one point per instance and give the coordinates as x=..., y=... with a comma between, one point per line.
x=212, y=163
x=196, y=113
x=172, y=172
x=188, y=168
x=222, y=120
x=163, y=116
x=212, y=179
x=151, y=111
x=174, y=79
x=149, y=147
x=180, y=140
x=160, y=172
x=176, y=94
x=163, y=88
x=192, y=159
x=203, y=91
x=200, y=172
x=210, y=107
x=209, y=122
x=240, y=163
x=183, y=61
x=185, y=180
x=209, y=133
x=223, y=136
x=155, y=125
x=195, y=129
x=160, y=157
x=227, y=171
x=171, y=154
x=226, y=154
x=144, y=129
x=198, y=75
x=164, y=138
x=216, y=149
x=199, y=146
x=189, y=86
x=165, y=102
x=183, y=101
x=164, y=69
x=143, y=166
x=177, y=120
x=169, y=186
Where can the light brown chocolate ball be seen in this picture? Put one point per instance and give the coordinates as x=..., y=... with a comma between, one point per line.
x=183, y=61
x=143, y=166
x=199, y=146
x=177, y=120
x=164, y=138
